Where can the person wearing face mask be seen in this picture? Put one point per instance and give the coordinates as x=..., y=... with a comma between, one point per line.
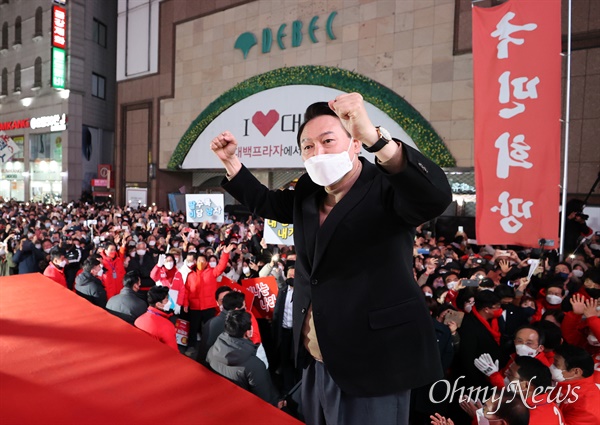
x=55, y=269
x=128, y=305
x=200, y=288
x=155, y=321
x=402, y=190
x=233, y=355
x=115, y=270
x=6, y=262
x=143, y=262
x=581, y=327
x=188, y=266
x=573, y=371
x=166, y=274
x=513, y=316
x=529, y=342
x=549, y=298
x=88, y=284
x=27, y=257
x=480, y=334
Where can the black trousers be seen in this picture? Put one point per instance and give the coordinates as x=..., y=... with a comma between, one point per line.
x=198, y=318
x=323, y=402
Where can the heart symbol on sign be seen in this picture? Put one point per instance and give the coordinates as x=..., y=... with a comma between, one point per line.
x=263, y=122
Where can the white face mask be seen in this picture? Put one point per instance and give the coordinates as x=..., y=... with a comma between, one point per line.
x=141, y=252
x=523, y=350
x=553, y=299
x=595, y=246
x=190, y=264
x=452, y=284
x=557, y=374
x=151, y=243
x=38, y=245
x=327, y=169
x=246, y=270
x=468, y=308
x=47, y=250
x=62, y=264
x=2, y=252
x=100, y=273
x=169, y=265
x=577, y=273
x=428, y=294
x=167, y=306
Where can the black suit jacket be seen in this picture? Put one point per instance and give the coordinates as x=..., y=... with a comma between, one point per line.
x=374, y=330
x=144, y=269
x=475, y=340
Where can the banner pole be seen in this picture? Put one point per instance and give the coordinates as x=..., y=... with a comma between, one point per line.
x=563, y=213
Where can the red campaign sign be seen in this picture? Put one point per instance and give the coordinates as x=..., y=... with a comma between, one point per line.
x=261, y=294
x=59, y=27
x=517, y=91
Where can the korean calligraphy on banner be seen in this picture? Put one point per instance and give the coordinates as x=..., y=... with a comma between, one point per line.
x=517, y=90
x=264, y=292
x=8, y=147
x=279, y=234
x=200, y=208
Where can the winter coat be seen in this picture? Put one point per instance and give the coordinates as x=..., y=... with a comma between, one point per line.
x=90, y=288
x=127, y=305
x=235, y=359
x=156, y=323
x=202, y=284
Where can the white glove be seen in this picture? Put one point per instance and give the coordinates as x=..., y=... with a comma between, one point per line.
x=161, y=260
x=177, y=309
x=486, y=364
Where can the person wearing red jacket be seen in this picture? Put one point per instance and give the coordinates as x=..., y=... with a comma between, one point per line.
x=529, y=342
x=201, y=286
x=166, y=274
x=155, y=321
x=549, y=298
x=55, y=269
x=575, y=390
x=530, y=378
x=581, y=327
x=115, y=271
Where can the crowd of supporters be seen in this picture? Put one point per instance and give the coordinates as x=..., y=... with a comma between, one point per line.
x=509, y=320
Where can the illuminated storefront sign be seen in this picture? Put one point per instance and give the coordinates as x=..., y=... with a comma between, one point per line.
x=58, y=68
x=55, y=122
x=14, y=125
x=59, y=27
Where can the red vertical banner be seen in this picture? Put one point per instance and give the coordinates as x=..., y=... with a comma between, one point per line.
x=517, y=91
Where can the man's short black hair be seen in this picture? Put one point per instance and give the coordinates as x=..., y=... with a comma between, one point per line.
x=237, y=323
x=56, y=253
x=485, y=299
x=131, y=278
x=552, y=333
x=157, y=294
x=504, y=291
x=534, y=371
x=233, y=300
x=513, y=410
x=90, y=263
x=222, y=289
x=313, y=111
x=576, y=357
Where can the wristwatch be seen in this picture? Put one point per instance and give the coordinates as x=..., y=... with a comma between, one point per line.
x=384, y=138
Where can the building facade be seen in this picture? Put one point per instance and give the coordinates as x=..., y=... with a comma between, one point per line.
x=419, y=49
x=57, y=96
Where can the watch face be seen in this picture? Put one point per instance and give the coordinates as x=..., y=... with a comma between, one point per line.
x=384, y=133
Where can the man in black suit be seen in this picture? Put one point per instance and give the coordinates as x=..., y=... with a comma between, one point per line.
x=361, y=328
x=143, y=263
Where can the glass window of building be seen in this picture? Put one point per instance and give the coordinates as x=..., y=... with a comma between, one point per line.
x=18, y=78
x=4, y=82
x=98, y=86
x=45, y=166
x=18, y=30
x=5, y=36
x=37, y=72
x=12, y=185
x=99, y=33
x=38, y=22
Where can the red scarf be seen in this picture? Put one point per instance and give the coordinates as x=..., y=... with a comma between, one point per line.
x=493, y=328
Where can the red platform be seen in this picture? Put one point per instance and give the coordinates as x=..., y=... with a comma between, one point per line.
x=65, y=361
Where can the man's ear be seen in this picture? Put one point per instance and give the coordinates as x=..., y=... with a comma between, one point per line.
x=541, y=348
